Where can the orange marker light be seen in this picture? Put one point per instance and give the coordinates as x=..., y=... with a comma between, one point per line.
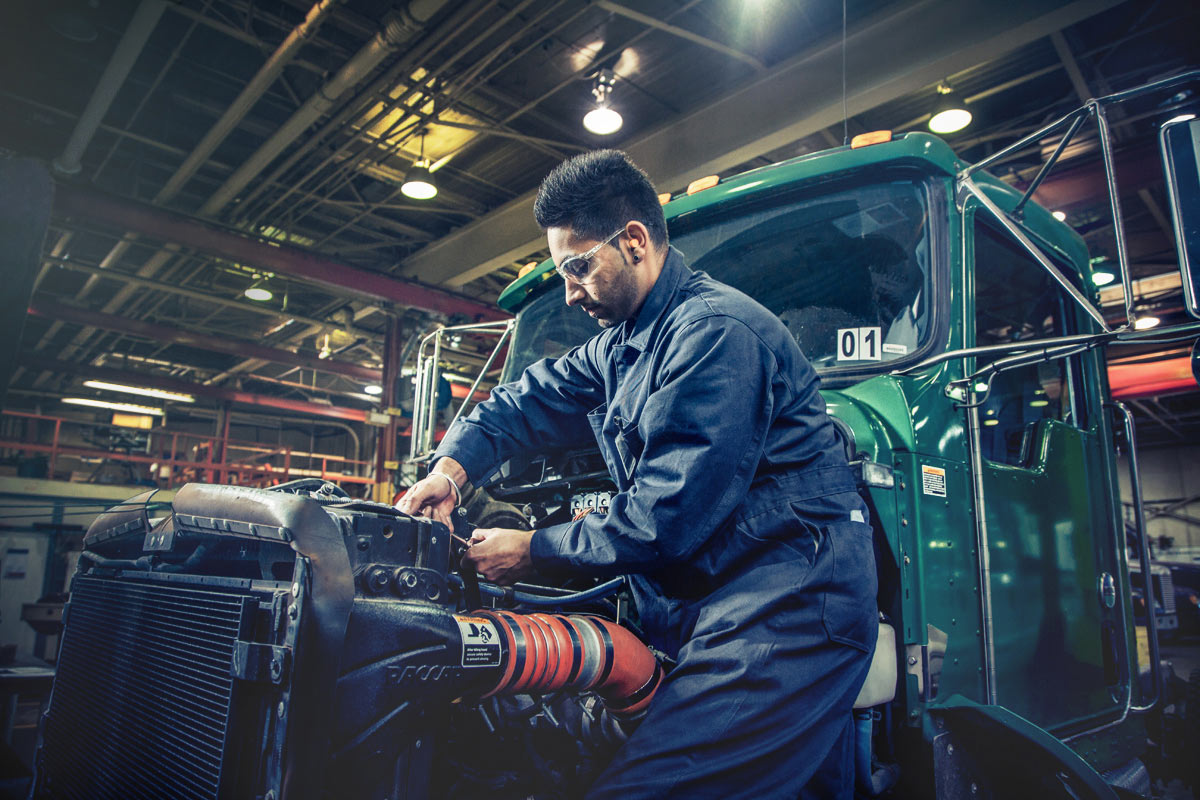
x=867, y=139
x=664, y=198
x=700, y=184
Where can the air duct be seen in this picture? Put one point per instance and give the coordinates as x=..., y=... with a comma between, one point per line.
x=128, y=49
x=397, y=31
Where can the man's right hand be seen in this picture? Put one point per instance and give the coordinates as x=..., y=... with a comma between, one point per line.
x=433, y=496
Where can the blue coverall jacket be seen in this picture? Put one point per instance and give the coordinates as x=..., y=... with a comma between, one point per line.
x=737, y=520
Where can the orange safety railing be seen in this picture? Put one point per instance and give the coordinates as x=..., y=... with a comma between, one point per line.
x=169, y=459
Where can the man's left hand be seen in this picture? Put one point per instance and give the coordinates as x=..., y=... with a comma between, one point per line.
x=500, y=555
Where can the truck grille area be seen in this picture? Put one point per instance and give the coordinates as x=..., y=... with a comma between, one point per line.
x=143, y=693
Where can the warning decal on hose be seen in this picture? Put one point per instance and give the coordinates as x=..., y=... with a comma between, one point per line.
x=481, y=642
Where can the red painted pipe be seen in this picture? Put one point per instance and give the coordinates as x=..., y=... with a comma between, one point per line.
x=220, y=344
x=130, y=215
x=1151, y=378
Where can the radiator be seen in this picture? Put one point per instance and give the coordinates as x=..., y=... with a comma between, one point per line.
x=144, y=693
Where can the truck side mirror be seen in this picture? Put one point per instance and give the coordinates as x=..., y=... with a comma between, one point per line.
x=1180, y=142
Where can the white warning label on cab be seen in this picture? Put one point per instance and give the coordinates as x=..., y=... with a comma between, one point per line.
x=933, y=480
x=481, y=642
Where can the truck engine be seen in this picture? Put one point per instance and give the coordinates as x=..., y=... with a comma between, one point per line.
x=295, y=643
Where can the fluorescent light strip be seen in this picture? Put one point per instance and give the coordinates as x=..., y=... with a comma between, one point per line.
x=128, y=407
x=144, y=391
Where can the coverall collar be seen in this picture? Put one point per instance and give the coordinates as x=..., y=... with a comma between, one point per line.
x=636, y=332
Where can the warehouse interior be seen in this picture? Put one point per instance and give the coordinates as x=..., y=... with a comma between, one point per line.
x=234, y=224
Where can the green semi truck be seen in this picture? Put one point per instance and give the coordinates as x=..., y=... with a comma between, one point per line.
x=957, y=331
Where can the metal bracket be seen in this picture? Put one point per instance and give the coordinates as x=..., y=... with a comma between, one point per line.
x=925, y=662
x=257, y=662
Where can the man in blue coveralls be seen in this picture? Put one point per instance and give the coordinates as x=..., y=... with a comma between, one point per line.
x=737, y=520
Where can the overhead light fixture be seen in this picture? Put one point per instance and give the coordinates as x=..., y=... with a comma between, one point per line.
x=603, y=119
x=418, y=183
x=128, y=407
x=373, y=388
x=1061, y=216
x=258, y=291
x=949, y=115
x=144, y=391
x=1103, y=277
x=1145, y=323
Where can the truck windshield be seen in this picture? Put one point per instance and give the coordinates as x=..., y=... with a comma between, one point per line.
x=848, y=272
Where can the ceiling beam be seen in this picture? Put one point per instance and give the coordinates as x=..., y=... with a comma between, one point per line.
x=131, y=215
x=206, y=297
x=682, y=33
x=170, y=334
x=901, y=50
x=132, y=378
x=1079, y=184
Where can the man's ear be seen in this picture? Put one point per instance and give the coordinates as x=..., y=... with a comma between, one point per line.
x=638, y=236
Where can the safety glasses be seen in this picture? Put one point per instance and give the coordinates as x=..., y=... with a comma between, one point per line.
x=577, y=268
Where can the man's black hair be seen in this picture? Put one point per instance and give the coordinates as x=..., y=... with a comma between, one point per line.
x=595, y=193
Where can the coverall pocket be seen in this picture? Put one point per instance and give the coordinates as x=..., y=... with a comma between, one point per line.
x=627, y=445
x=849, y=611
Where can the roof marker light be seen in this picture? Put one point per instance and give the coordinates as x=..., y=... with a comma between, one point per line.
x=700, y=184
x=868, y=139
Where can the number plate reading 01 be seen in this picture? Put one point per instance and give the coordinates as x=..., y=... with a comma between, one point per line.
x=859, y=344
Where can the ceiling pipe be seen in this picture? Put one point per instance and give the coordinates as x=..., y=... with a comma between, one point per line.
x=132, y=378
x=169, y=334
x=397, y=31
x=249, y=96
x=128, y=49
x=343, y=279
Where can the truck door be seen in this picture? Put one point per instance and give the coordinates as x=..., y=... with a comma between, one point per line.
x=1046, y=500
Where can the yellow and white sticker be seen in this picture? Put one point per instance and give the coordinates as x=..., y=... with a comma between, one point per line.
x=933, y=480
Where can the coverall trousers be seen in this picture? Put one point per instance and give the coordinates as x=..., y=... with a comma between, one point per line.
x=759, y=703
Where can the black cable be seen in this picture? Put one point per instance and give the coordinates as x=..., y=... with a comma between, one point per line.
x=845, y=113
x=543, y=601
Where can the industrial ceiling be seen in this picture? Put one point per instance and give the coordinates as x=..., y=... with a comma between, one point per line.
x=186, y=134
